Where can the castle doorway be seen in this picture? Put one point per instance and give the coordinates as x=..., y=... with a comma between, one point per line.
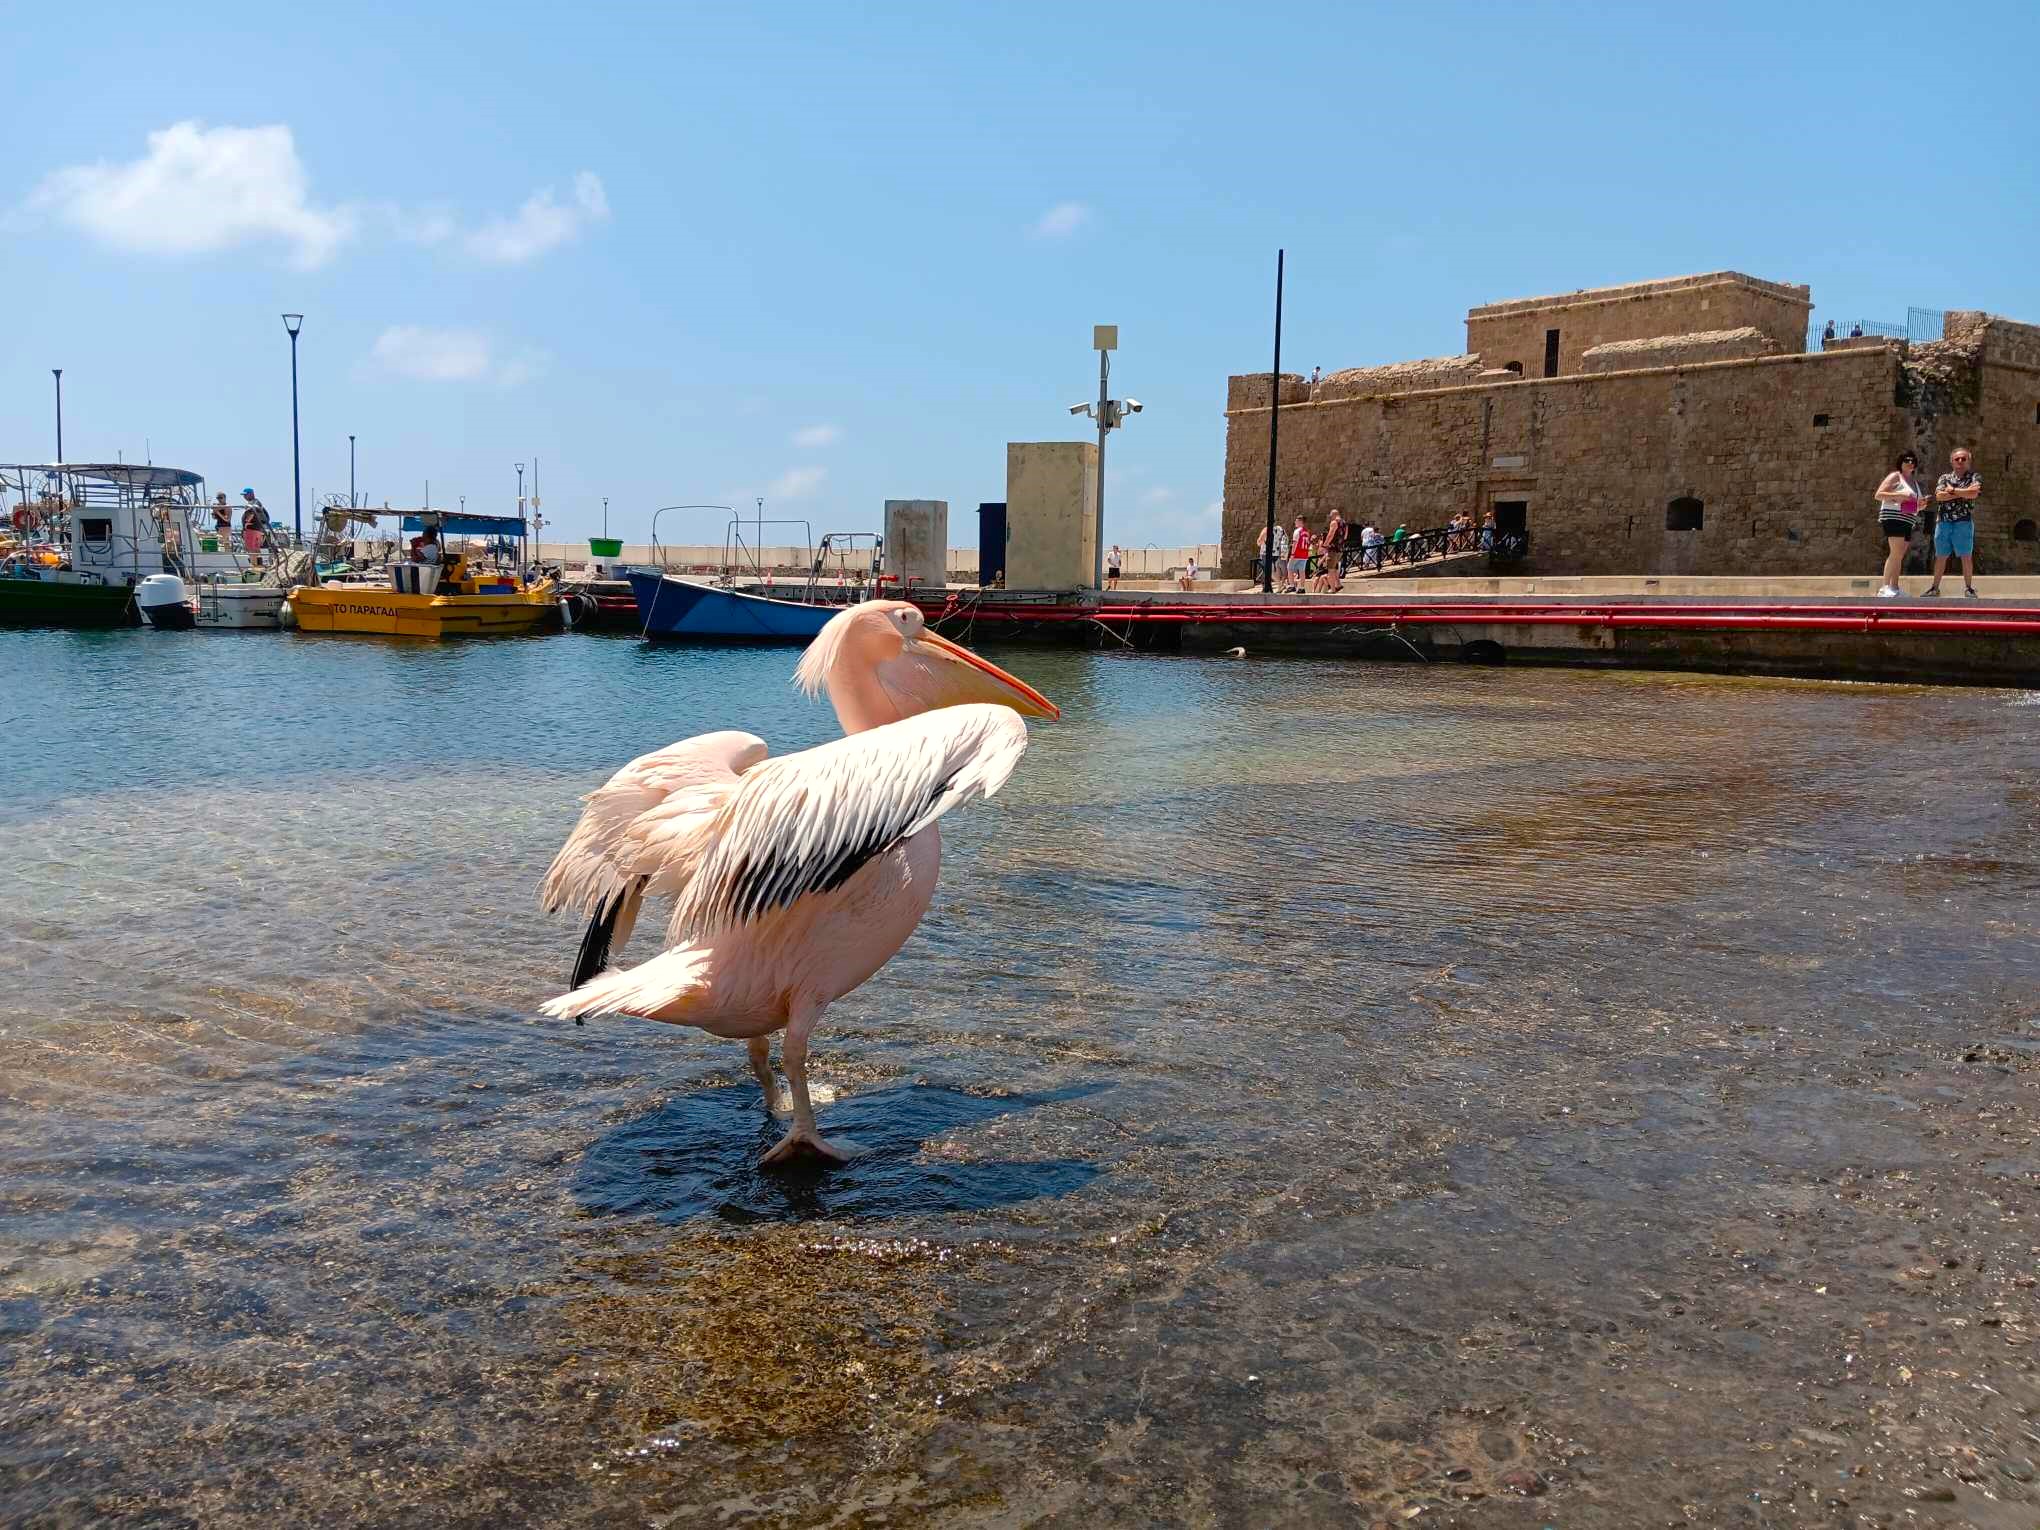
x=1512, y=516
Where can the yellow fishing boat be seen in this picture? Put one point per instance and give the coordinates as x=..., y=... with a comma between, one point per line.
x=435, y=593
x=473, y=607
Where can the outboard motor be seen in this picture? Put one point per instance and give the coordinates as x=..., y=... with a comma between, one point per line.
x=166, y=603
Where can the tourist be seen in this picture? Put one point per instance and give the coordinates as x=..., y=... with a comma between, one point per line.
x=1336, y=533
x=1370, y=546
x=1113, y=562
x=1189, y=578
x=1955, y=528
x=254, y=525
x=425, y=546
x=1828, y=333
x=1487, y=532
x=1856, y=330
x=1898, y=513
x=1299, y=558
x=1264, y=568
x=222, y=514
x=1314, y=374
x=1328, y=561
x=169, y=520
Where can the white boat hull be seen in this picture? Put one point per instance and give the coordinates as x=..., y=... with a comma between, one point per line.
x=240, y=607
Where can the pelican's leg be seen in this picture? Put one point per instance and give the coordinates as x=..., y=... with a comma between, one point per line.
x=803, y=1141
x=761, y=1064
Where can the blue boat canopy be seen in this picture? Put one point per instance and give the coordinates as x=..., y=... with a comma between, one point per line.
x=470, y=525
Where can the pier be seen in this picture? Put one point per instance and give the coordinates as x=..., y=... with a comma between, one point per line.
x=1808, y=627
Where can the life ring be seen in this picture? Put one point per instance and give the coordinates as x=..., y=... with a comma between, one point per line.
x=23, y=518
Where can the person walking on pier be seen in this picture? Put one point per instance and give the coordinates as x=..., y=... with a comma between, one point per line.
x=1299, y=558
x=1955, y=530
x=1114, y=561
x=1336, y=533
x=1898, y=513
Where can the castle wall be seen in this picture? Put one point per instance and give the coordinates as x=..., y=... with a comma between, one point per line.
x=1514, y=331
x=1782, y=451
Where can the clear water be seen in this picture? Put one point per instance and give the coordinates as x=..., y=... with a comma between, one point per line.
x=1320, y=1092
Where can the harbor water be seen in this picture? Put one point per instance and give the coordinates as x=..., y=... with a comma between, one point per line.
x=1322, y=1093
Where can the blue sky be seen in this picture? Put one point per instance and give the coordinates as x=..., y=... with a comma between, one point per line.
x=834, y=254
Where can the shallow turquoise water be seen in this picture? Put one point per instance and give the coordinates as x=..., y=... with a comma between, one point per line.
x=1282, y=1036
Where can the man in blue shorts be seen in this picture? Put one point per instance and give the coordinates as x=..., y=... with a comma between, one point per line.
x=1955, y=530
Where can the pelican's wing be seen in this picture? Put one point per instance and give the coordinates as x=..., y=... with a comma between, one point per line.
x=646, y=822
x=805, y=823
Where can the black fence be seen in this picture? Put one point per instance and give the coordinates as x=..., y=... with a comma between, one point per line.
x=1501, y=547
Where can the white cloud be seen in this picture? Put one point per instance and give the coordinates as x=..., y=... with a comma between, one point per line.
x=198, y=191
x=425, y=354
x=1158, y=495
x=543, y=223
x=813, y=436
x=796, y=483
x=1062, y=220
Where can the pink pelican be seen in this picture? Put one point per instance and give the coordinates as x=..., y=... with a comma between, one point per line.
x=794, y=879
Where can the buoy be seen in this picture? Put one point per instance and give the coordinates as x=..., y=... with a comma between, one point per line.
x=286, y=615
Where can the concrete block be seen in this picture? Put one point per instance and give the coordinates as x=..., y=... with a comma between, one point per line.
x=1051, y=514
x=917, y=541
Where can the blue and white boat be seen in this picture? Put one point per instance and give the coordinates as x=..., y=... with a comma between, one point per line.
x=671, y=607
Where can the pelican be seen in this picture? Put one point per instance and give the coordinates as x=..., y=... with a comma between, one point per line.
x=794, y=880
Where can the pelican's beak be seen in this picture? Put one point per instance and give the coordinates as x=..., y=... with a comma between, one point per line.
x=962, y=676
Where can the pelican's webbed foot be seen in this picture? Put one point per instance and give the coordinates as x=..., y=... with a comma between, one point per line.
x=799, y=1146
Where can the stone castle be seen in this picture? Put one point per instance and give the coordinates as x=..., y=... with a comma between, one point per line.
x=1677, y=426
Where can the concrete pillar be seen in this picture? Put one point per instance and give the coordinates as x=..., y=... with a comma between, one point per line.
x=917, y=541
x=1051, y=514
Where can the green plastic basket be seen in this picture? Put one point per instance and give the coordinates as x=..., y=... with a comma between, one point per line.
x=606, y=547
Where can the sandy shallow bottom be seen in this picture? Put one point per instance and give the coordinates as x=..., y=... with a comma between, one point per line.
x=1322, y=1095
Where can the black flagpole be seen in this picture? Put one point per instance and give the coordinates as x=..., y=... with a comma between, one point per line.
x=1274, y=432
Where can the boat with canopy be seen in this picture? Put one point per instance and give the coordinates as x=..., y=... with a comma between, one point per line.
x=464, y=576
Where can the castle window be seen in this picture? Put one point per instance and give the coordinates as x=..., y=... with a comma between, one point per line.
x=2026, y=531
x=1820, y=422
x=1684, y=514
x=1551, y=353
x=1513, y=366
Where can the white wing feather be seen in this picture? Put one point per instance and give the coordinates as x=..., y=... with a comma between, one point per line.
x=648, y=821
x=805, y=823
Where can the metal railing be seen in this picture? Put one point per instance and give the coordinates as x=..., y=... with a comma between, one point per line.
x=1817, y=335
x=1923, y=324
x=1436, y=542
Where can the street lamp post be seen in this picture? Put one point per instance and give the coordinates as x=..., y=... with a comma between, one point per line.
x=293, y=322
x=1110, y=413
x=58, y=373
x=352, y=503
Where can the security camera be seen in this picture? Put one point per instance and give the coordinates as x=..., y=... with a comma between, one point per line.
x=1134, y=405
x=1080, y=409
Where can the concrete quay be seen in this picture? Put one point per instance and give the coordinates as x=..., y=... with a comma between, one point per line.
x=1832, y=628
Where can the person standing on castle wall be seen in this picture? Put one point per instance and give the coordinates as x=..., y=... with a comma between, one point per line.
x=1955, y=529
x=1828, y=333
x=1898, y=512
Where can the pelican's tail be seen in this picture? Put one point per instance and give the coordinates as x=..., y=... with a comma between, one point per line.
x=664, y=988
x=608, y=931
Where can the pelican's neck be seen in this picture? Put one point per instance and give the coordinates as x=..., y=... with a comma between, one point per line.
x=861, y=703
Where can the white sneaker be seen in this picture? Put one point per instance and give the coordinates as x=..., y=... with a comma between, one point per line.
x=1890, y=589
